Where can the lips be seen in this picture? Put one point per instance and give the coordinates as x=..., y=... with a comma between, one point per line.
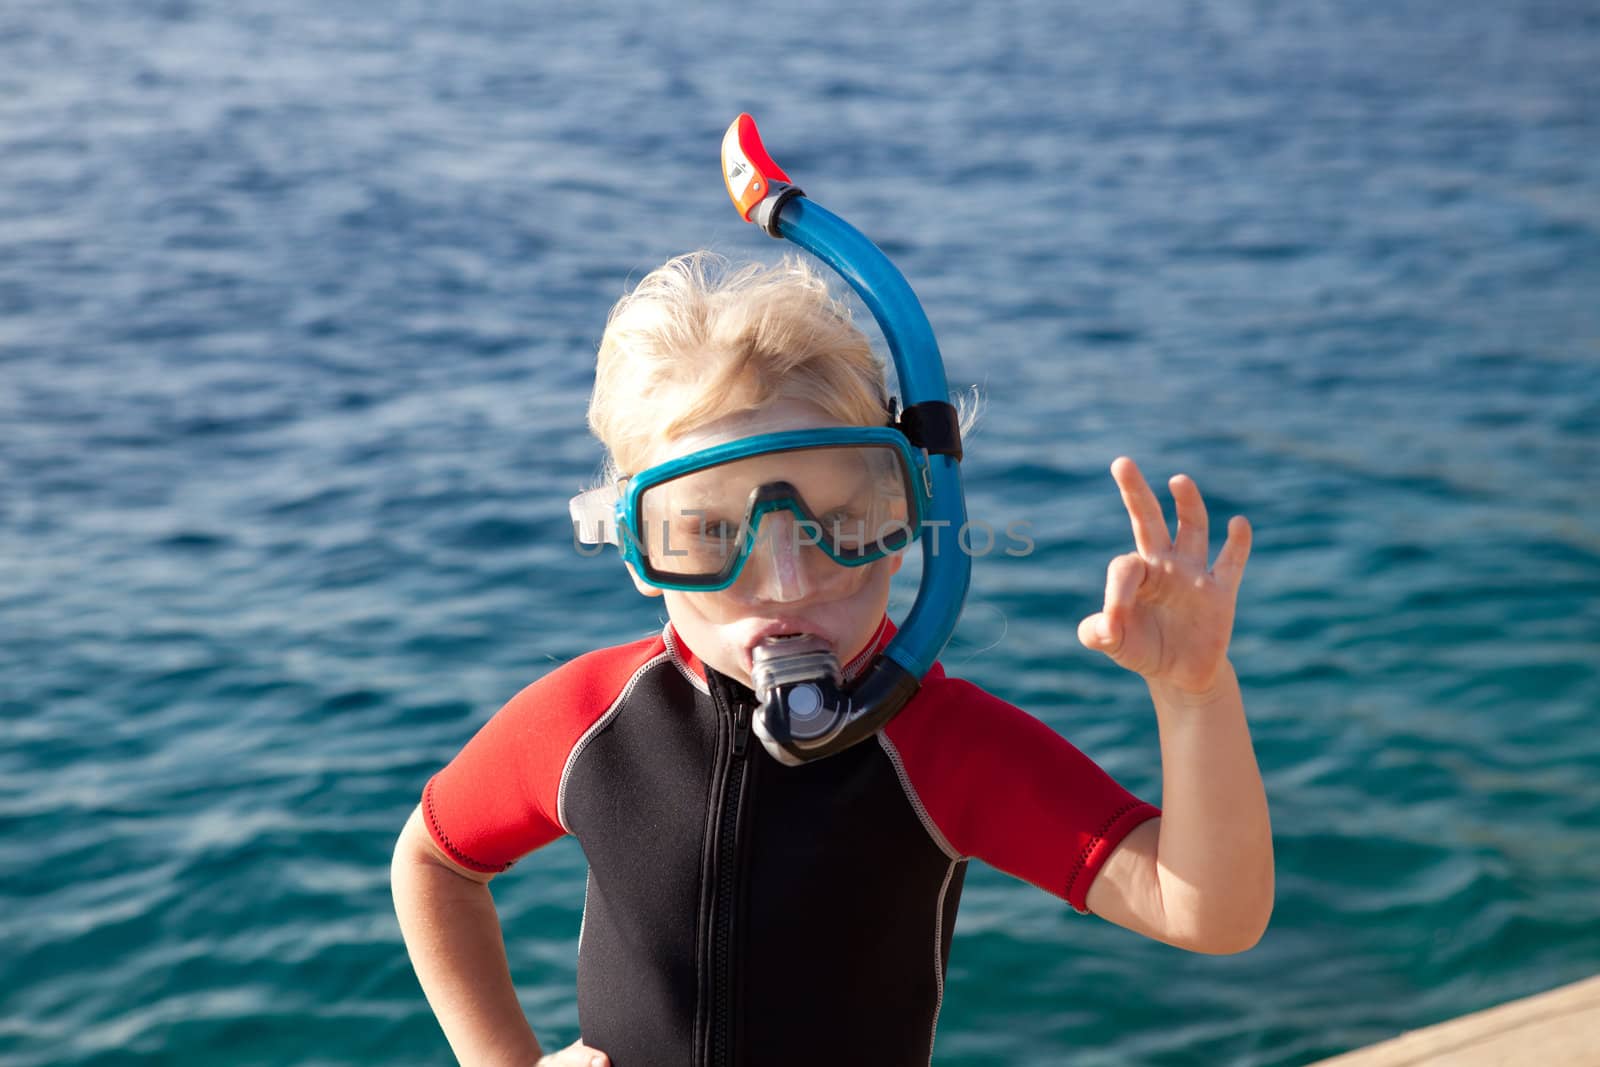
x=778, y=628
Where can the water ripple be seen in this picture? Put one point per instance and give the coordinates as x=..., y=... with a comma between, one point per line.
x=298, y=311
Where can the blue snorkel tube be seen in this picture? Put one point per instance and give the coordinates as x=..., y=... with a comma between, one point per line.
x=806, y=711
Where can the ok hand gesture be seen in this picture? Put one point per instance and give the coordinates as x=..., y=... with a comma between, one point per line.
x=1167, y=616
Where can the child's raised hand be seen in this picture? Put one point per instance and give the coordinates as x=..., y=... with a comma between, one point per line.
x=1167, y=616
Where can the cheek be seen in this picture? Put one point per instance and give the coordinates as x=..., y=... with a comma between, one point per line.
x=860, y=611
x=644, y=588
x=701, y=609
x=698, y=619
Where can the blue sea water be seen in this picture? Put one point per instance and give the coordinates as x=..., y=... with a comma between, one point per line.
x=298, y=307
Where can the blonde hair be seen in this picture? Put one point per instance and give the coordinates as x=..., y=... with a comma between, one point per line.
x=697, y=341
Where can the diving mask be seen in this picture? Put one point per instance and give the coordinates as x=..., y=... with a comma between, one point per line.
x=855, y=494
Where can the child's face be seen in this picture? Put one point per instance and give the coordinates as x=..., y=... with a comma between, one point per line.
x=787, y=585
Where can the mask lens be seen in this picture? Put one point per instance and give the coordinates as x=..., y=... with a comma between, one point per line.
x=851, y=501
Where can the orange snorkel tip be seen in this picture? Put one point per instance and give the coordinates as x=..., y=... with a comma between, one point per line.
x=756, y=185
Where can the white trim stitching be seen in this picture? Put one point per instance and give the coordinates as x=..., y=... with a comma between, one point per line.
x=671, y=638
x=588, y=735
x=583, y=919
x=916, y=801
x=938, y=955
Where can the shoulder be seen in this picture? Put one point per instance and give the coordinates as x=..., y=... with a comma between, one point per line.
x=955, y=741
x=591, y=683
x=500, y=797
x=540, y=728
x=948, y=710
x=556, y=714
x=1002, y=785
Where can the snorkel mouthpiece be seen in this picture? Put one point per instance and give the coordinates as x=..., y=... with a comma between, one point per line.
x=806, y=710
x=803, y=710
x=797, y=682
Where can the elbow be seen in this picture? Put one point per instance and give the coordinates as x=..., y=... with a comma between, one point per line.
x=1230, y=942
x=1233, y=924
x=1240, y=928
x=1226, y=936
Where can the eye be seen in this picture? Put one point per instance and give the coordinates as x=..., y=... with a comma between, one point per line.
x=846, y=526
x=712, y=528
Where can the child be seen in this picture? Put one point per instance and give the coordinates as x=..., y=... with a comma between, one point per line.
x=742, y=911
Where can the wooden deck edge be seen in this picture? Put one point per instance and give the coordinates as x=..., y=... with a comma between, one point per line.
x=1560, y=1028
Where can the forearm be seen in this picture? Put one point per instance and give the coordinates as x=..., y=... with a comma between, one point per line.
x=1214, y=857
x=453, y=935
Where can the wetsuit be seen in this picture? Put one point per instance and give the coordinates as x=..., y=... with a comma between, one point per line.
x=742, y=912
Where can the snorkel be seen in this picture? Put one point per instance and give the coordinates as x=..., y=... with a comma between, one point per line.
x=806, y=708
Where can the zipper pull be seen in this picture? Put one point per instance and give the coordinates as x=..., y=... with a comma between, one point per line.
x=741, y=728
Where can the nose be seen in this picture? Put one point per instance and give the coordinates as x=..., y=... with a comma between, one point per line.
x=778, y=560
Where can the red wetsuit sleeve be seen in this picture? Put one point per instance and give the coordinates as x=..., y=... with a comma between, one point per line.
x=1004, y=787
x=499, y=798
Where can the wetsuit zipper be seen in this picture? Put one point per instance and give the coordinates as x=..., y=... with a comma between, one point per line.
x=721, y=1043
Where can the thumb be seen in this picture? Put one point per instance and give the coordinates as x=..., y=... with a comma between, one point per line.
x=1097, y=634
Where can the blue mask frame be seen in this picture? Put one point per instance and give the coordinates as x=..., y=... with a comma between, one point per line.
x=627, y=511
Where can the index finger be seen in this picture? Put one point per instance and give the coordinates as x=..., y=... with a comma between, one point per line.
x=1150, y=534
